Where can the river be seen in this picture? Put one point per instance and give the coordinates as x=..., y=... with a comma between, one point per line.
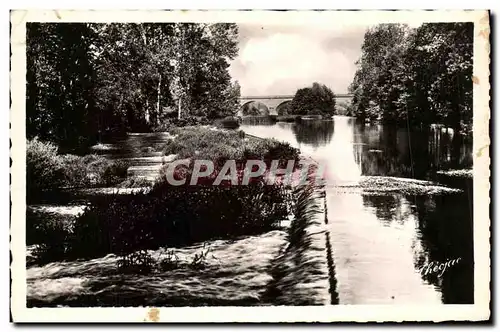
x=385, y=244
x=382, y=242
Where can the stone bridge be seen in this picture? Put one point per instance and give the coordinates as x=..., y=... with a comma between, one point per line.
x=275, y=104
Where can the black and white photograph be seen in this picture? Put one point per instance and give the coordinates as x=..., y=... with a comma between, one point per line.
x=284, y=165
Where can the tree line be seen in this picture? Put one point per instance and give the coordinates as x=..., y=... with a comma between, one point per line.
x=416, y=76
x=85, y=80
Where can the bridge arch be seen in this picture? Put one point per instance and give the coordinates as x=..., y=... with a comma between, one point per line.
x=282, y=108
x=253, y=107
x=273, y=102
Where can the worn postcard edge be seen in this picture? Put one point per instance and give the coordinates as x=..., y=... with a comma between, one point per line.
x=340, y=313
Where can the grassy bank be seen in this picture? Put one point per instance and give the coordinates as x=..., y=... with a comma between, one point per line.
x=220, y=145
x=192, y=245
x=172, y=216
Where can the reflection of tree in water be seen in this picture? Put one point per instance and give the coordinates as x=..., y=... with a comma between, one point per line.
x=445, y=224
x=359, y=144
x=445, y=232
x=257, y=121
x=387, y=207
x=315, y=133
x=393, y=151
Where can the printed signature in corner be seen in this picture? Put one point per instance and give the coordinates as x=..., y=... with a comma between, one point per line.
x=439, y=267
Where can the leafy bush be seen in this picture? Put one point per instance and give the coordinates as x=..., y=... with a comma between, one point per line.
x=90, y=237
x=114, y=172
x=44, y=167
x=170, y=262
x=48, y=170
x=136, y=262
x=50, y=233
x=199, y=260
x=190, y=121
x=73, y=167
x=54, y=241
x=270, y=149
x=205, y=212
x=179, y=215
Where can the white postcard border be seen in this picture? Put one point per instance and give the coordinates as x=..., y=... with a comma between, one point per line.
x=355, y=313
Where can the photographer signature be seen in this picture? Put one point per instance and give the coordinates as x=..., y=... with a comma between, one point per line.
x=439, y=267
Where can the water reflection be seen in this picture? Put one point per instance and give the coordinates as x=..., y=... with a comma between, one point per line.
x=315, y=133
x=257, y=120
x=382, y=243
x=415, y=153
x=388, y=208
x=446, y=232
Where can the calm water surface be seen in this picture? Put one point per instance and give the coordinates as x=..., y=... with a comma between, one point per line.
x=382, y=243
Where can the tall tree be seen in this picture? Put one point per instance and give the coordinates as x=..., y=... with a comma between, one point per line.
x=418, y=76
x=60, y=75
x=134, y=73
x=380, y=78
x=317, y=99
x=441, y=63
x=85, y=80
x=204, y=52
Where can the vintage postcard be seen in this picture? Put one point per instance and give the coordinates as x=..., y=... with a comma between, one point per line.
x=250, y=166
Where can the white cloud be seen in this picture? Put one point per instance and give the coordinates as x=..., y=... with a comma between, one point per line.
x=280, y=62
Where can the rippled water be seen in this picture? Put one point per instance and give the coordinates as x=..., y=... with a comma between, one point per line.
x=383, y=241
x=236, y=273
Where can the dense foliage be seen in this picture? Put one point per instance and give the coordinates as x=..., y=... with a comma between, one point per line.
x=169, y=215
x=88, y=80
x=315, y=100
x=417, y=76
x=47, y=170
x=254, y=108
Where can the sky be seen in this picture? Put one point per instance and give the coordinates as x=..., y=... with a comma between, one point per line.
x=278, y=60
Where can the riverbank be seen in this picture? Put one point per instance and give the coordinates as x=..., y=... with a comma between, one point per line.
x=313, y=271
x=221, y=268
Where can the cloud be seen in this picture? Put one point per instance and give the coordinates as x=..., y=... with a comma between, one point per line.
x=281, y=59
